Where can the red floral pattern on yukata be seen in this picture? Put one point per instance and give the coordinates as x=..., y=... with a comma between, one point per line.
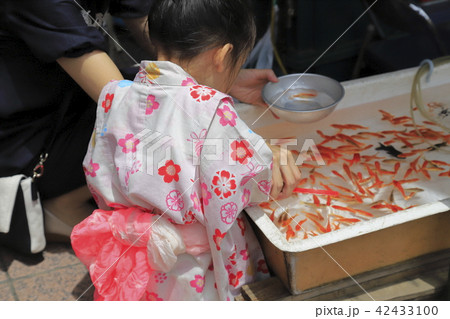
x=152, y=296
x=227, y=116
x=241, y=224
x=188, y=217
x=106, y=104
x=91, y=169
x=228, y=213
x=129, y=143
x=244, y=253
x=206, y=195
x=245, y=197
x=241, y=151
x=160, y=277
x=234, y=278
x=224, y=184
x=262, y=266
x=196, y=202
x=170, y=171
x=198, y=283
x=202, y=93
x=188, y=82
x=151, y=104
x=232, y=258
x=217, y=237
x=174, y=201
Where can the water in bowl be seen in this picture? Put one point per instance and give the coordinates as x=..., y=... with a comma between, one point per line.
x=300, y=99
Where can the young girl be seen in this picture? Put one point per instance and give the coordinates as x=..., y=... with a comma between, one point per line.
x=171, y=165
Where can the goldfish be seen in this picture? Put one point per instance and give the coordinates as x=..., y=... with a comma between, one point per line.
x=289, y=233
x=445, y=174
x=348, y=220
x=390, y=150
x=305, y=94
x=299, y=224
x=349, y=126
x=360, y=164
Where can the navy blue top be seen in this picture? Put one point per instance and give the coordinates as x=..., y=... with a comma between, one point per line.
x=33, y=34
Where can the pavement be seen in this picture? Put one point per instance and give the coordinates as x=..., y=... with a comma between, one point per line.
x=56, y=274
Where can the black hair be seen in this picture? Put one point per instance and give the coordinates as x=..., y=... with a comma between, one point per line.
x=183, y=29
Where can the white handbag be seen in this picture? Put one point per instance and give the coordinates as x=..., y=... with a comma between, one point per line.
x=21, y=213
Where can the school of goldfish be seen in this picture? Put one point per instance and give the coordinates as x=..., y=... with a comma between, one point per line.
x=366, y=175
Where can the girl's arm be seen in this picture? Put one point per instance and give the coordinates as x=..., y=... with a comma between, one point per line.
x=92, y=71
x=285, y=173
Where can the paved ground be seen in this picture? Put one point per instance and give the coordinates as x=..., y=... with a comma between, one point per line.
x=56, y=274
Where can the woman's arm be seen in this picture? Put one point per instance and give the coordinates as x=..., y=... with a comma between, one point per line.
x=249, y=84
x=139, y=30
x=92, y=71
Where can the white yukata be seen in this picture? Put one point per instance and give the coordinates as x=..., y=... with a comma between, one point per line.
x=171, y=166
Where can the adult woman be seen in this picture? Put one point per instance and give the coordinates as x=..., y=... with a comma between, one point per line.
x=53, y=66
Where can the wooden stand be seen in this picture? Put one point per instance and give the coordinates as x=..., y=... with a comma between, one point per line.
x=422, y=278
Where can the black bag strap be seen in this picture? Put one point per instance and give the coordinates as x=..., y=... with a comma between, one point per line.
x=38, y=170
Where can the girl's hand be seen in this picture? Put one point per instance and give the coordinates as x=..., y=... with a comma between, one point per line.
x=249, y=84
x=285, y=174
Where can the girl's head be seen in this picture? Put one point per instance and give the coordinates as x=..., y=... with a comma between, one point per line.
x=184, y=30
